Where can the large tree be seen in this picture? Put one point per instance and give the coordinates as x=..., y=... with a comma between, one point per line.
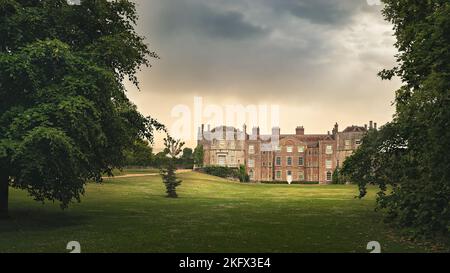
x=409, y=158
x=64, y=114
x=140, y=154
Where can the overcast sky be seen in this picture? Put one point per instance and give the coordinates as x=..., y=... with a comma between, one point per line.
x=316, y=59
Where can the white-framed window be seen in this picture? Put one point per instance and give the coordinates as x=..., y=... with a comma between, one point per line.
x=278, y=148
x=251, y=163
x=301, y=161
x=222, y=160
x=358, y=142
x=278, y=161
x=329, y=164
x=289, y=149
x=251, y=149
x=329, y=176
x=329, y=150
x=278, y=175
x=301, y=149
x=289, y=161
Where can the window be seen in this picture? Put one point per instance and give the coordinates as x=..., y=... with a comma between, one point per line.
x=251, y=149
x=289, y=161
x=301, y=149
x=222, y=160
x=329, y=164
x=329, y=150
x=348, y=143
x=251, y=174
x=301, y=176
x=278, y=161
x=289, y=149
x=289, y=174
x=278, y=175
x=251, y=163
x=301, y=161
x=277, y=148
x=329, y=176
x=358, y=142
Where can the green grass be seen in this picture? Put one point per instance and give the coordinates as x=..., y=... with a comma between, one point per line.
x=211, y=215
x=117, y=172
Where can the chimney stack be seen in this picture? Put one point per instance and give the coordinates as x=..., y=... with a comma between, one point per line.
x=375, y=126
x=371, y=125
x=255, y=131
x=300, y=131
x=336, y=129
x=276, y=131
x=365, y=126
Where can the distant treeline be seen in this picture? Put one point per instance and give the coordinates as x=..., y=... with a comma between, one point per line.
x=141, y=155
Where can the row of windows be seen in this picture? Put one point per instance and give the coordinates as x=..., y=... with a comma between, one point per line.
x=301, y=161
x=290, y=149
x=289, y=162
x=301, y=175
x=348, y=142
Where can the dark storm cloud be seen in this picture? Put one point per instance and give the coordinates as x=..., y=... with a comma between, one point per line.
x=317, y=59
x=329, y=12
x=200, y=18
x=242, y=44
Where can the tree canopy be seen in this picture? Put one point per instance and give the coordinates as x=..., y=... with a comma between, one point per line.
x=408, y=158
x=64, y=114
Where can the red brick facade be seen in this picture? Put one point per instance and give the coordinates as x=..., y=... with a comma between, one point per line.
x=297, y=157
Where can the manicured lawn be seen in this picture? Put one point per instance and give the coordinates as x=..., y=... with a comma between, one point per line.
x=135, y=171
x=211, y=215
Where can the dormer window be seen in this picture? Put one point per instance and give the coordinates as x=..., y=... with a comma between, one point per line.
x=301, y=149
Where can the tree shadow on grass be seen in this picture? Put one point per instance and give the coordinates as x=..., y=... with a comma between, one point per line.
x=39, y=219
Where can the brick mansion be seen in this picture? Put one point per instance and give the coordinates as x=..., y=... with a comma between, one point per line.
x=296, y=157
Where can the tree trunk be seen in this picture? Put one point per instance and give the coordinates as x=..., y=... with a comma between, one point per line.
x=4, y=188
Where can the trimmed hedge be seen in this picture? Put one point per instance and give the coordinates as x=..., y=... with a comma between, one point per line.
x=226, y=172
